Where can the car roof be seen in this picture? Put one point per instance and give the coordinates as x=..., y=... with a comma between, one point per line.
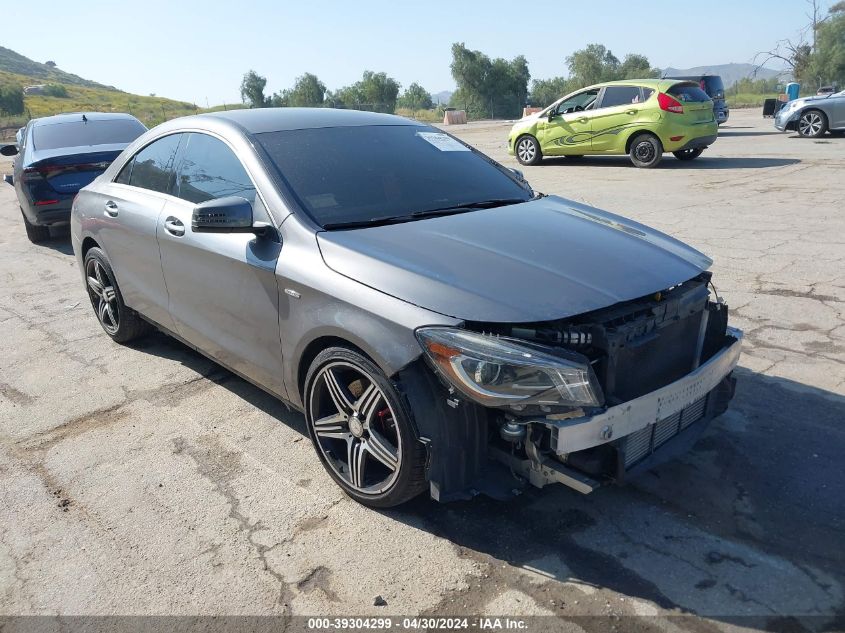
x=260, y=120
x=657, y=84
x=72, y=117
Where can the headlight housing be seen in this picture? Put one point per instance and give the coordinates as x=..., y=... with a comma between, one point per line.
x=501, y=372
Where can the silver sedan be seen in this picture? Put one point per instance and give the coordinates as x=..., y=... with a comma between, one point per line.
x=813, y=116
x=441, y=325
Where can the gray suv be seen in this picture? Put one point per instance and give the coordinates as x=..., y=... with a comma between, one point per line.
x=442, y=326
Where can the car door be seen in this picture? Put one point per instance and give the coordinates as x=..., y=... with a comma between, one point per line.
x=568, y=127
x=837, y=111
x=130, y=207
x=620, y=107
x=223, y=292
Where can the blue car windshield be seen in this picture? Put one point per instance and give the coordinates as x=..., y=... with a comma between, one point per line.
x=368, y=174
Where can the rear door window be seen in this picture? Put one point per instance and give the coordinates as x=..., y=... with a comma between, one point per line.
x=80, y=134
x=688, y=92
x=620, y=95
x=152, y=167
x=209, y=170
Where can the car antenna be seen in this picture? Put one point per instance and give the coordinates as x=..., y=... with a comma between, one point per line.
x=84, y=119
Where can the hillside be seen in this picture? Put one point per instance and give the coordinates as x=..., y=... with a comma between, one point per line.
x=17, y=64
x=730, y=73
x=82, y=94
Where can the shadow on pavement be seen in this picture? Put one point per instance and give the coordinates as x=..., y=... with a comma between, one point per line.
x=670, y=162
x=749, y=524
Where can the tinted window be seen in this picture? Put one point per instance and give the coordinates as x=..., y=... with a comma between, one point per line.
x=79, y=133
x=153, y=165
x=125, y=173
x=361, y=174
x=209, y=170
x=687, y=92
x=713, y=86
x=620, y=95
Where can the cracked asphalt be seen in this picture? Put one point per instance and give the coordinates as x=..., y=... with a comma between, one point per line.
x=147, y=480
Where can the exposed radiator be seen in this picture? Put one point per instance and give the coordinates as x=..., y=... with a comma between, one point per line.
x=644, y=442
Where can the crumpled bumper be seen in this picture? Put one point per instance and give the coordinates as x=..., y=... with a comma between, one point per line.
x=577, y=434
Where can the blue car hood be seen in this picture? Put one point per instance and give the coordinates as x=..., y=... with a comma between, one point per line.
x=541, y=260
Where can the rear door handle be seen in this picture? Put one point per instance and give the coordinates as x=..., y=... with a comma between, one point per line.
x=174, y=226
x=631, y=111
x=583, y=120
x=111, y=209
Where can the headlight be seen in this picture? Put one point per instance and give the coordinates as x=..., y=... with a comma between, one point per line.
x=498, y=372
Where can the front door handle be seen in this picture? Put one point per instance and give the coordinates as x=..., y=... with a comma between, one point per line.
x=111, y=209
x=174, y=226
x=632, y=111
x=583, y=120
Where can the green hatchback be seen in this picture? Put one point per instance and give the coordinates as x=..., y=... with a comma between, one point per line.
x=639, y=117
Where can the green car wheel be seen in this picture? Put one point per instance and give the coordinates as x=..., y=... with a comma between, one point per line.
x=528, y=151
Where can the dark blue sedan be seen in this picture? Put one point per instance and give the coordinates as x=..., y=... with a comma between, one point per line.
x=58, y=155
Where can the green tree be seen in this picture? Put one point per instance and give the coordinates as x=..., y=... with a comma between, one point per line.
x=826, y=65
x=308, y=92
x=488, y=87
x=415, y=97
x=593, y=64
x=375, y=92
x=11, y=99
x=636, y=66
x=546, y=91
x=252, y=90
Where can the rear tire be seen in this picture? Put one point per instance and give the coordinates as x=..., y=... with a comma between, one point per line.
x=34, y=232
x=688, y=154
x=527, y=150
x=646, y=151
x=812, y=124
x=118, y=320
x=361, y=431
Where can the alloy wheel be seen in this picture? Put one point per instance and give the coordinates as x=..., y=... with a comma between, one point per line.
x=810, y=124
x=103, y=295
x=525, y=150
x=355, y=428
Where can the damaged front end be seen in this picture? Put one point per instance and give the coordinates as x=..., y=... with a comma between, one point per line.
x=582, y=401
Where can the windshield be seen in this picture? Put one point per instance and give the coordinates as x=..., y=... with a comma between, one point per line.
x=79, y=133
x=355, y=175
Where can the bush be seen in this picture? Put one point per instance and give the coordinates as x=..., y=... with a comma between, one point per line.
x=55, y=90
x=11, y=99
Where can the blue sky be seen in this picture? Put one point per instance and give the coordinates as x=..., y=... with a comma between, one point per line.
x=200, y=50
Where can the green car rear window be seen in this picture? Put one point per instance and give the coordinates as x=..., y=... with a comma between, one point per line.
x=688, y=92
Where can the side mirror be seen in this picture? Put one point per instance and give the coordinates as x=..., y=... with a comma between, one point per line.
x=224, y=215
x=9, y=150
x=519, y=175
x=9, y=179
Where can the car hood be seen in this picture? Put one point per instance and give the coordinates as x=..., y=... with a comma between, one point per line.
x=540, y=260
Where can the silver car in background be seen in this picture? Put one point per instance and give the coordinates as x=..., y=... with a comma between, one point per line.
x=442, y=326
x=813, y=116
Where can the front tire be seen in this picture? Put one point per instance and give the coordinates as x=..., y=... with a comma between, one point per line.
x=688, y=154
x=812, y=124
x=646, y=151
x=361, y=431
x=527, y=150
x=34, y=232
x=119, y=321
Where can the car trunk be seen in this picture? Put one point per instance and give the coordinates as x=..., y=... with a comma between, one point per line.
x=60, y=173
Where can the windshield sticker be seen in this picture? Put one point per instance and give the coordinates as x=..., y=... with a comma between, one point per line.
x=443, y=142
x=322, y=200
